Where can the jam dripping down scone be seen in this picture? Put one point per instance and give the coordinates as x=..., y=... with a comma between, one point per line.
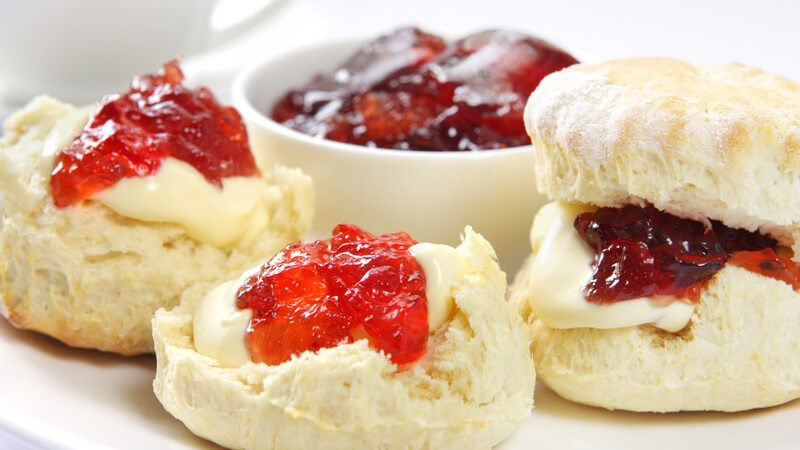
x=356, y=341
x=110, y=212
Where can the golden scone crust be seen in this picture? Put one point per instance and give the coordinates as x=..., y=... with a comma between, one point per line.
x=471, y=389
x=92, y=278
x=739, y=352
x=697, y=141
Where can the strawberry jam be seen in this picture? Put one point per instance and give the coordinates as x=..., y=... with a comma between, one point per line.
x=410, y=90
x=771, y=263
x=330, y=292
x=133, y=132
x=643, y=252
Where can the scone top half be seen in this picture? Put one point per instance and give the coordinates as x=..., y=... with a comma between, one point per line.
x=719, y=142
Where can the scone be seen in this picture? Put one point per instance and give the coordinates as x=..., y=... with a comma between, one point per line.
x=662, y=275
x=358, y=341
x=110, y=212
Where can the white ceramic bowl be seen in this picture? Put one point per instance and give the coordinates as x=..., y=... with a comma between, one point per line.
x=431, y=195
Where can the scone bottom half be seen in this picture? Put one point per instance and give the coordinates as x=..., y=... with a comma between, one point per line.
x=439, y=360
x=89, y=257
x=646, y=289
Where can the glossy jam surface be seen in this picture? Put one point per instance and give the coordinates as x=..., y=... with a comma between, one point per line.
x=330, y=292
x=643, y=252
x=411, y=90
x=133, y=132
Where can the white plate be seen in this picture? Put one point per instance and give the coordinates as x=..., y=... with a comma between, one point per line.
x=55, y=397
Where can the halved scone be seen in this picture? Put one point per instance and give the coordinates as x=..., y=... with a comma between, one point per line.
x=92, y=272
x=470, y=389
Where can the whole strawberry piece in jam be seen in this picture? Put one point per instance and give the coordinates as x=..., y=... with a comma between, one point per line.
x=133, y=132
x=331, y=292
x=408, y=90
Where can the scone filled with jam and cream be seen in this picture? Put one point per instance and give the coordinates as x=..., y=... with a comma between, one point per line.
x=663, y=275
x=111, y=211
x=356, y=341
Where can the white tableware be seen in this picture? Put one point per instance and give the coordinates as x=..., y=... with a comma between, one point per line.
x=79, y=51
x=431, y=195
x=55, y=397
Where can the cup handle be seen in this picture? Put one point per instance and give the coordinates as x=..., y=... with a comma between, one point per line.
x=221, y=30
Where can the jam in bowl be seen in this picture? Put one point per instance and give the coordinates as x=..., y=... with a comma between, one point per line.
x=430, y=194
x=413, y=90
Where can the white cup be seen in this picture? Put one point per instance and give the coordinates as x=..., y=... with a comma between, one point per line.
x=80, y=50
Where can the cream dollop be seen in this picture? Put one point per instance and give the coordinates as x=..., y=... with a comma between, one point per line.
x=561, y=269
x=178, y=193
x=442, y=265
x=220, y=326
x=63, y=133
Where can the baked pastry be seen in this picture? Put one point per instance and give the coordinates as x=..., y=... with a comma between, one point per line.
x=363, y=342
x=662, y=275
x=104, y=220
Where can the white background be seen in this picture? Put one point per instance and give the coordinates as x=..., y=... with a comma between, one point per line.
x=765, y=34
